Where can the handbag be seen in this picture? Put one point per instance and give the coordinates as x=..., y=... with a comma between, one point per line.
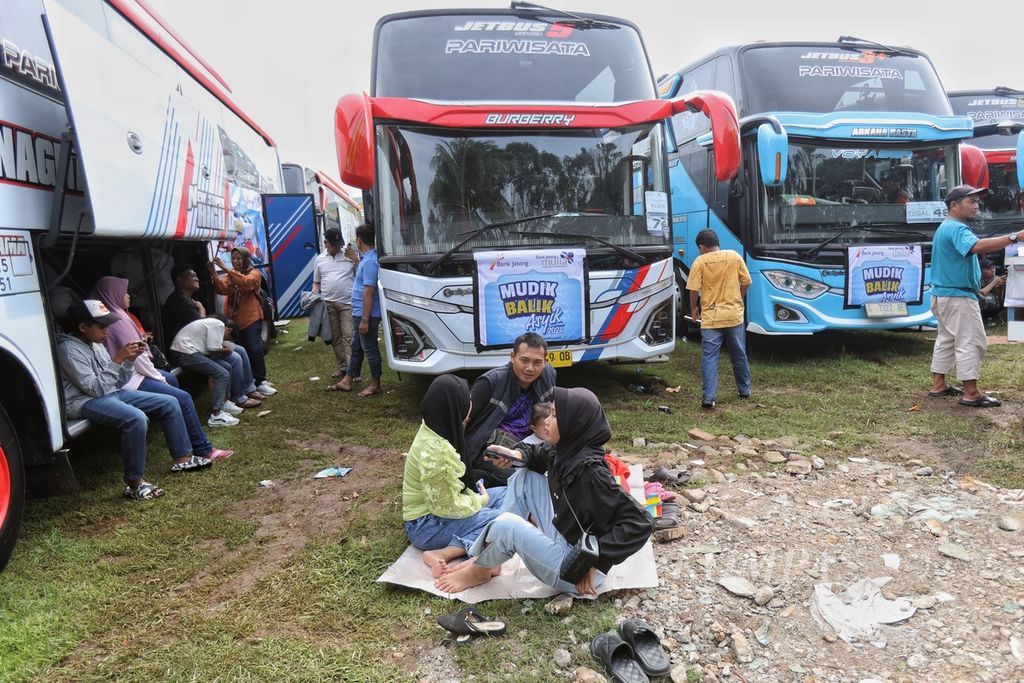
x=159, y=359
x=582, y=556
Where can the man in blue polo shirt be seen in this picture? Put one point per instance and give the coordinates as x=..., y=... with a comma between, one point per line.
x=956, y=278
x=365, y=315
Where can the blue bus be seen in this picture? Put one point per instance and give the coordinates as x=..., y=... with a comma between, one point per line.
x=870, y=147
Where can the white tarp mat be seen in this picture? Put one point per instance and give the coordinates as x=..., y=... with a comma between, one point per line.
x=516, y=581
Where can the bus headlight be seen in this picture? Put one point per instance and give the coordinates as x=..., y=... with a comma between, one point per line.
x=422, y=302
x=408, y=341
x=658, y=329
x=797, y=285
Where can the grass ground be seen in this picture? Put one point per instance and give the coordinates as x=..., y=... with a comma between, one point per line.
x=222, y=580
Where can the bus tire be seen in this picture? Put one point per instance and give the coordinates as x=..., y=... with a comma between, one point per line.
x=12, y=488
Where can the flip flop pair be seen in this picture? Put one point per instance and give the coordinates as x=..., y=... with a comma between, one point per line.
x=633, y=654
x=468, y=623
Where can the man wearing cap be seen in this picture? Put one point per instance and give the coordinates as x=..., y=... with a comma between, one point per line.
x=956, y=279
x=333, y=274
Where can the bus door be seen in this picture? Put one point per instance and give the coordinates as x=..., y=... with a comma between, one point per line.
x=292, y=245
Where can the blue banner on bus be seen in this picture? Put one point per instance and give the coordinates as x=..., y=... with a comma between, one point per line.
x=535, y=290
x=884, y=273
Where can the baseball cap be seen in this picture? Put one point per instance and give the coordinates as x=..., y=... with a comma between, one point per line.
x=961, y=191
x=91, y=311
x=333, y=235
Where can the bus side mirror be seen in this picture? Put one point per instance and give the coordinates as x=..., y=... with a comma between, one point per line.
x=353, y=136
x=1020, y=159
x=973, y=167
x=772, y=154
x=725, y=128
x=669, y=86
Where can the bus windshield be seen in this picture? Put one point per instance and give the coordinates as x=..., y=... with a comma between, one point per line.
x=435, y=186
x=505, y=58
x=874, y=194
x=989, y=108
x=835, y=78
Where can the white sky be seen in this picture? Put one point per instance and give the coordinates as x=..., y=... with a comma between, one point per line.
x=288, y=61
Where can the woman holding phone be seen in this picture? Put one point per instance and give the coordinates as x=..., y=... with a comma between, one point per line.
x=127, y=332
x=443, y=509
x=545, y=517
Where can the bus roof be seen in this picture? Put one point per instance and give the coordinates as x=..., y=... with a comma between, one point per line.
x=127, y=9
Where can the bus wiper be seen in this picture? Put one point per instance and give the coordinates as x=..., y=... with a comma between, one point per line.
x=813, y=251
x=628, y=253
x=885, y=48
x=579, y=22
x=473, y=234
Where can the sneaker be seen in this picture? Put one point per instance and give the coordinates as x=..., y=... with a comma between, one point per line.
x=219, y=454
x=196, y=462
x=266, y=389
x=231, y=408
x=707, y=405
x=222, y=419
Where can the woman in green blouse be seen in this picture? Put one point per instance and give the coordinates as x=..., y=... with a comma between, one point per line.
x=443, y=510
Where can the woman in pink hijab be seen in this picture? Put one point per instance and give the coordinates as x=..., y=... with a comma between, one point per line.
x=113, y=291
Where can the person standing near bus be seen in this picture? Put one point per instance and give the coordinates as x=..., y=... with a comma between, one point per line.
x=718, y=282
x=365, y=315
x=333, y=274
x=956, y=278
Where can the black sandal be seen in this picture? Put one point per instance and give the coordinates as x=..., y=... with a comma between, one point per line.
x=647, y=649
x=469, y=622
x=617, y=657
x=950, y=390
x=983, y=402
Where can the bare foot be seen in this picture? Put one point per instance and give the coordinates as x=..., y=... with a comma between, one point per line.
x=466, y=576
x=438, y=565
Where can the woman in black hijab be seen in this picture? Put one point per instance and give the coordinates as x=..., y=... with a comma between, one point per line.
x=442, y=508
x=550, y=514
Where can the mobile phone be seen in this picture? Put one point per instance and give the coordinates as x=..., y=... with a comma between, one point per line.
x=494, y=455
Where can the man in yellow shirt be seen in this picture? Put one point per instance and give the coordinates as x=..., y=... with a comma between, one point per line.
x=718, y=282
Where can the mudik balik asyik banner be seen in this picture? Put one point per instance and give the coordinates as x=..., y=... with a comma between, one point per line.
x=884, y=273
x=538, y=290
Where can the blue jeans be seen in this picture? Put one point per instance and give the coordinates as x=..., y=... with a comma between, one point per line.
x=541, y=549
x=710, y=344
x=196, y=434
x=251, y=339
x=127, y=410
x=225, y=369
x=364, y=343
x=242, y=381
x=430, y=532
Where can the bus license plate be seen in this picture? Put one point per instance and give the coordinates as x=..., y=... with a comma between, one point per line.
x=560, y=359
x=886, y=309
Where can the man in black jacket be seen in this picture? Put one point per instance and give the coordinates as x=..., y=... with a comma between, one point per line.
x=503, y=399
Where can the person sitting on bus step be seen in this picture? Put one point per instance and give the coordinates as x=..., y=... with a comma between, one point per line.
x=201, y=346
x=365, y=315
x=181, y=309
x=718, y=282
x=242, y=284
x=113, y=292
x=503, y=399
x=443, y=509
x=960, y=339
x=96, y=387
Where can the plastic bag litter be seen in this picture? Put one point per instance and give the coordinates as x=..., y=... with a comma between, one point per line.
x=941, y=508
x=332, y=472
x=856, y=613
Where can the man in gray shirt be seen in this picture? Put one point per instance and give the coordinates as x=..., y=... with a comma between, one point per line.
x=333, y=273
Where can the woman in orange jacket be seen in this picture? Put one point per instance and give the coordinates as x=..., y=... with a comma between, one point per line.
x=241, y=284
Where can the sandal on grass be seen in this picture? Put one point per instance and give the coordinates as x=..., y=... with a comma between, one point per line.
x=950, y=390
x=617, y=657
x=469, y=622
x=144, y=491
x=647, y=649
x=983, y=402
x=193, y=463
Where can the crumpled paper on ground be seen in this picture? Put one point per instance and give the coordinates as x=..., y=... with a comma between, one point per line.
x=856, y=613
